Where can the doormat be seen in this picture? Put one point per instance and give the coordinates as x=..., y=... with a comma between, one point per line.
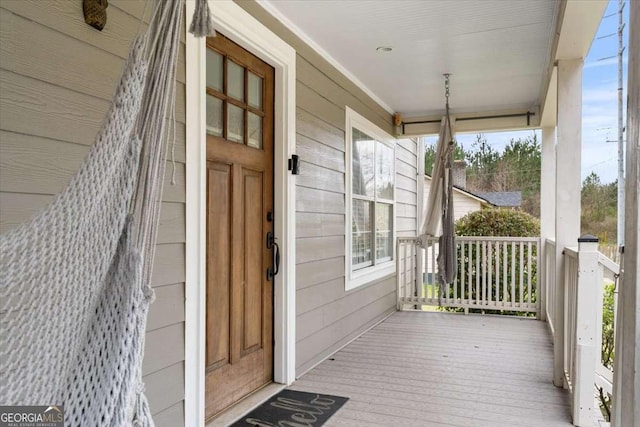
x=293, y=408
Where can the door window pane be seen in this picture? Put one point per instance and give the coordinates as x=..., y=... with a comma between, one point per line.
x=255, y=131
x=235, y=81
x=362, y=245
x=235, y=123
x=214, y=70
x=363, y=170
x=384, y=171
x=214, y=116
x=384, y=231
x=255, y=90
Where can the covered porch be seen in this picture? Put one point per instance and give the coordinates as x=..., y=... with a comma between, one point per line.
x=423, y=369
x=376, y=338
x=426, y=368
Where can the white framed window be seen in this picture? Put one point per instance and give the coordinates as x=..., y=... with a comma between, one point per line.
x=370, y=201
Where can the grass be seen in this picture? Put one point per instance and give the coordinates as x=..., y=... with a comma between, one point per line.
x=430, y=289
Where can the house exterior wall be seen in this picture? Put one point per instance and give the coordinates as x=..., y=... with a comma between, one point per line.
x=462, y=204
x=327, y=316
x=57, y=76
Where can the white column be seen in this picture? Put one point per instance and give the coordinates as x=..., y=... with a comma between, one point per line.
x=420, y=214
x=568, y=156
x=548, y=184
x=547, y=210
x=626, y=400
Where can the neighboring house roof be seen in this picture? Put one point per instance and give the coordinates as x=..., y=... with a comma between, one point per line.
x=461, y=190
x=511, y=199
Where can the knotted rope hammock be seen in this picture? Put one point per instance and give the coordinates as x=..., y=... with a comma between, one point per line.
x=439, y=218
x=75, y=279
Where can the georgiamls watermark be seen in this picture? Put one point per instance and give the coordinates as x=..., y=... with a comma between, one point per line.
x=32, y=416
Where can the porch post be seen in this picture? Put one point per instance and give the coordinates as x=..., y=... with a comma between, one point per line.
x=626, y=387
x=547, y=211
x=586, y=332
x=567, y=214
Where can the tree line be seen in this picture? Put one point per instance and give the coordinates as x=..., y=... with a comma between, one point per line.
x=599, y=211
x=517, y=168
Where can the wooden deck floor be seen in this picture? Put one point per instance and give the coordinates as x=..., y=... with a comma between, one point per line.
x=431, y=369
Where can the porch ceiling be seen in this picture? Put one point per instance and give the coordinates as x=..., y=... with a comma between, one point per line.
x=497, y=51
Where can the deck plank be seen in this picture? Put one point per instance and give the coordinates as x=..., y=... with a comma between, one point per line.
x=432, y=369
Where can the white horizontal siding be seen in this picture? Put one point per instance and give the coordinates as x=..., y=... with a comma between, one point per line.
x=327, y=315
x=406, y=187
x=462, y=203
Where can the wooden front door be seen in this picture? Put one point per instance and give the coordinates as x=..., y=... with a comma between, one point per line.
x=239, y=330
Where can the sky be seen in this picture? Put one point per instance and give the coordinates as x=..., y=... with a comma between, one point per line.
x=599, y=102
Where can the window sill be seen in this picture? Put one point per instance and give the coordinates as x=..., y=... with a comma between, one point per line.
x=368, y=275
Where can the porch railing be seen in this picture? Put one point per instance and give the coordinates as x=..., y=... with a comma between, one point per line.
x=586, y=273
x=610, y=273
x=494, y=273
x=550, y=282
x=571, y=269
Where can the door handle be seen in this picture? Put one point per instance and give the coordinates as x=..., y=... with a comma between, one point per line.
x=275, y=267
x=276, y=256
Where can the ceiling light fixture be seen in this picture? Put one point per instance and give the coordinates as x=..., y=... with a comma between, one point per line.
x=384, y=49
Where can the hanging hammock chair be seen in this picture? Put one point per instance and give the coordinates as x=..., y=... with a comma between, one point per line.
x=439, y=218
x=75, y=279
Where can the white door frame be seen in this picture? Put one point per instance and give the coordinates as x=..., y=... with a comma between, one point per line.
x=235, y=23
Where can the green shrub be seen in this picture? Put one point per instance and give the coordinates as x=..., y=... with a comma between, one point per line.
x=498, y=222
x=607, y=325
x=607, y=349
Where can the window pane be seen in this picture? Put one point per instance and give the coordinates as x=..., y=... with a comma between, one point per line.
x=255, y=90
x=361, y=244
x=255, y=131
x=384, y=171
x=235, y=124
x=363, y=170
x=235, y=81
x=214, y=70
x=214, y=116
x=384, y=231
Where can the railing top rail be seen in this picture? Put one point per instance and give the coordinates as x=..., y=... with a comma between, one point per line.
x=497, y=239
x=408, y=239
x=477, y=238
x=549, y=241
x=609, y=264
x=604, y=378
x=571, y=252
